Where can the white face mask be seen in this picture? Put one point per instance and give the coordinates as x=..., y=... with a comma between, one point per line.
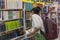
x=53, y=16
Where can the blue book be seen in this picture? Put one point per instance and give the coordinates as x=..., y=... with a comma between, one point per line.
x=2, y=27
x=21, y=22
x=28, y=6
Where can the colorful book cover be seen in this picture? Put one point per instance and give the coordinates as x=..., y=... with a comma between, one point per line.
x=10, y=15
x=20, y=4
x=2, y=27
x=11, y=4
x=2, y=4
x=15, y=14
x=28, y=6
x=5, y=15
x=8, y=25
x=0, y=16
x=22, y=14
x=21, y=22
x=12, y=25
x=19, y=14
x=17, y=24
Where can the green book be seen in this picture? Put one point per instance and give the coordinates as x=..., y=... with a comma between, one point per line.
x=17, y=23
x=14, y=24
x=9, y=25
x=6, y=26
x=10, y=15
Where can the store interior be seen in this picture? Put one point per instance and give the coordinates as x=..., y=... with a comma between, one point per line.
x=15, y=17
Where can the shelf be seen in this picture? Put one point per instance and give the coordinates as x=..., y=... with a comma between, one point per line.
x=19, y=37
x=9, y=31
x=9, y=20
x=37, y=2
x=10, y=9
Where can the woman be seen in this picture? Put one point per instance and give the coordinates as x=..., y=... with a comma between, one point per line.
x=37, y=22
x=50, y=28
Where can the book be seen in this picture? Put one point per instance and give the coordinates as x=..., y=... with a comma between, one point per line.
x=2, y=4
x=14, y=4
x=15, y=14
x=22, y=15
x=2, y=27
x=0, y=16
x=19, y=4
x=19, y=14
x=10, y=25
x=17, y=24
x=5, y=15
x=21, y=21
x=28, y=6
x=10, y=15
x=11, y=4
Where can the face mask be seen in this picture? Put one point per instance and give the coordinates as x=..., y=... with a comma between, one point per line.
x=53, y=16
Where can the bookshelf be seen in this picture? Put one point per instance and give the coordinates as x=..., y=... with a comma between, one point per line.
x=11, y=20
x=22, y=7
x=5, y=32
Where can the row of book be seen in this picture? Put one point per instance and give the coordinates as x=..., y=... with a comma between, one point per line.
x=10, y=25
x=2, y=5
x=10, y=4
x=9, y=15
x=43, y=8
x=40, y=0
x=13, y=34
x=16, y=4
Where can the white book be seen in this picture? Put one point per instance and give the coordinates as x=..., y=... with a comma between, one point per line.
x=19, y=2
x=5, y=15
x=11, y=4
x=0, y=16
x=15, y=14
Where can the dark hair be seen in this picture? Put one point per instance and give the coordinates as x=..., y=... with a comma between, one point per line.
x=36, y=10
